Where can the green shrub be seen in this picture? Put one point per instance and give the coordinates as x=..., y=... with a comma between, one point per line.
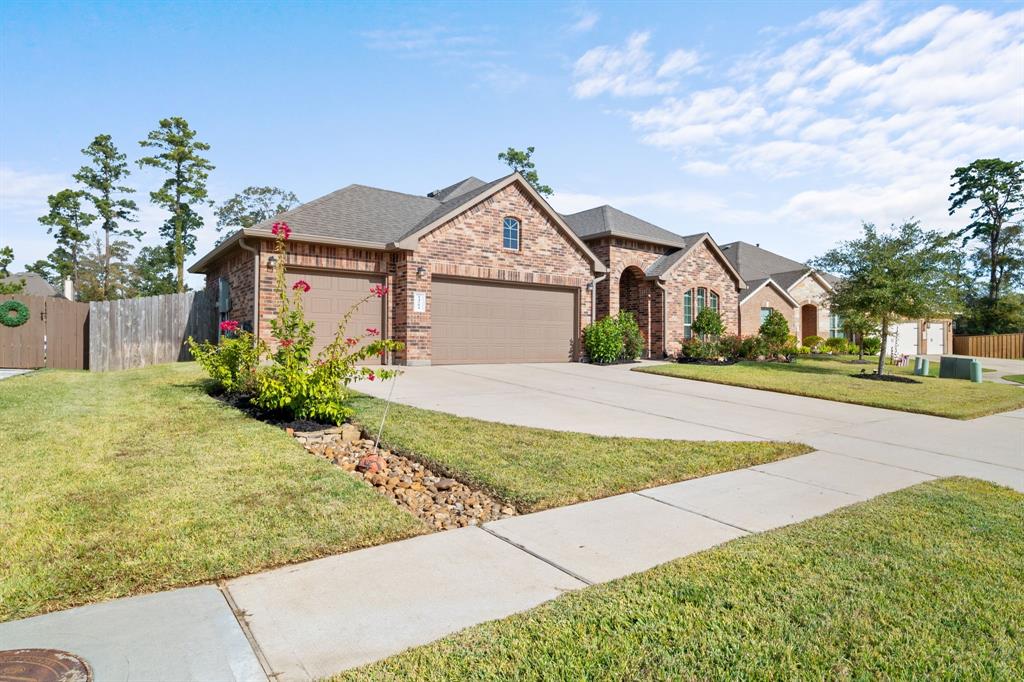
x=708, y=324
x=232, y=362
x=775, y=332
x=695, y=349
x=872, y=345
x=730, y=346
x=836, y=345
x=632, y=339
x=603, y=341
x=812, y=342
x=752, y=348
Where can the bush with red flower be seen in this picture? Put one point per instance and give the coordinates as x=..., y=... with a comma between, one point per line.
x=291, y=380
x=233, y=361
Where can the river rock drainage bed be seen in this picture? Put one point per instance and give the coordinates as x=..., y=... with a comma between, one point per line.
x=443, y=503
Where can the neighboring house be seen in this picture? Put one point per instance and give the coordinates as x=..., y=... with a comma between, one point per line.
x=477, y=272
x=35, y=285
x=800, y=293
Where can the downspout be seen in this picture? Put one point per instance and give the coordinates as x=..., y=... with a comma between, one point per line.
x=593, y=296
x=255, y=287
x=664, y=316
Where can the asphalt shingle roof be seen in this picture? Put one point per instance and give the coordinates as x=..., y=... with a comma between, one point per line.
x=669, y=260
x=35, y=285
x=754, y=263
x=605, y=220
x=452, y=191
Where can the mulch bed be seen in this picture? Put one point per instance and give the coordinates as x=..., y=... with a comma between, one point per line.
x=895, y=378
x=442, y=502
x=707, y=361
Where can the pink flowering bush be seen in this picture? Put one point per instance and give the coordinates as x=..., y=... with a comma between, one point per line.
x=294, y=381
x=287, y=378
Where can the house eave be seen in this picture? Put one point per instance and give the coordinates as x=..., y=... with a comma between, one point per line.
x=200, y=265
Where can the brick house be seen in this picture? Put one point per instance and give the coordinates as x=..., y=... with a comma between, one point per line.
x=800, y=293
x=477, y=272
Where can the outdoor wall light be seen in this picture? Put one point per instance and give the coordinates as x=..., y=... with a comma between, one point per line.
x=421, y=272
x=272, y=262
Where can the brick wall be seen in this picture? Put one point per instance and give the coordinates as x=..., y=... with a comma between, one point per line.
x=236, y=267
x=766, y=297
x=470, y=245
x=700, y=269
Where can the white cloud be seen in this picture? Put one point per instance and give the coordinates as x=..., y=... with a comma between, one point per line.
x=586, y=20
x=629, y=71
x=864, y=111
x=706, y=168
x=23, y=193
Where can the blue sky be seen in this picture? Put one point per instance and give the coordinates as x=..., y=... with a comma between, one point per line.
x=779, y=123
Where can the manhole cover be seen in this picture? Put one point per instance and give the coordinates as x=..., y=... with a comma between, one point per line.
x=42, y=665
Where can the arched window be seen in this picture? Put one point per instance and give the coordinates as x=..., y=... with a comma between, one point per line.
x=713, y=301
x=510, y=233
x=702, y=298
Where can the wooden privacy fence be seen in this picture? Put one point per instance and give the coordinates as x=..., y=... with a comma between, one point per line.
x=1009, y=346
x=135, y=332
x=55, y=335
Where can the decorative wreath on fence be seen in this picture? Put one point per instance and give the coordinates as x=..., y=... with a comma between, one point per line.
x=13, y=313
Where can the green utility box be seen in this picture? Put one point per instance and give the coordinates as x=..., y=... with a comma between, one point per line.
x=956, y=368
x=975, y=371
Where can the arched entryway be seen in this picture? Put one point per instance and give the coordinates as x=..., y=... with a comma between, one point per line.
x=635, y=296
x=808, y=320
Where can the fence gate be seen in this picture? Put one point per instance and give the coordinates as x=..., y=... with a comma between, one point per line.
x=22, y=347
x=55, y=335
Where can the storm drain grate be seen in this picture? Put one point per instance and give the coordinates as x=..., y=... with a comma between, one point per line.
x=43, y=665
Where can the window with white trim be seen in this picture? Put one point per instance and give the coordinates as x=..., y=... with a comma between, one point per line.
x=835, y=326
x=688, y=314
x=713, y=301
x=765, y=312
x=510, y=233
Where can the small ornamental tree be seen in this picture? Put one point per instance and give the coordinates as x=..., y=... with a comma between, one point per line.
x=774, y=331
x=294, y=382
x=632, y=338
x=905, y=273
x=708, y=324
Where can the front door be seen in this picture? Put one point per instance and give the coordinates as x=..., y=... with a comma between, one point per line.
x=808, y=321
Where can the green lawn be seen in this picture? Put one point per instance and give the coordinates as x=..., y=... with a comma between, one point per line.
x=126, y=482
x=1018, y=378
x=926, y=583
x=538, y=468
x=829, y=378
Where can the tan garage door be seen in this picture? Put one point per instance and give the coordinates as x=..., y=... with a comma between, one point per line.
x=330, y=297
x=475, y=322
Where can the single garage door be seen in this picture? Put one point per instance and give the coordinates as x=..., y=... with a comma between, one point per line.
x=903, y=339
x=936, y=338
x=478, y=322
x=329, y=298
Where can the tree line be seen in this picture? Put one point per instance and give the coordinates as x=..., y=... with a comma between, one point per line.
x=93, y=223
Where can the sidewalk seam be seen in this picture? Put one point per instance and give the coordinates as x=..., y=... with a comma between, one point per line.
x=239, y=615
x=911, y=447
x=549, y=562
x=640, y=493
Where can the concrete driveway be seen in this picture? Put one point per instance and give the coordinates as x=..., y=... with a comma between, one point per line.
x=614, y=401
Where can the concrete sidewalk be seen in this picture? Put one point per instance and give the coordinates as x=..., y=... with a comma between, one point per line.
x=320, y=617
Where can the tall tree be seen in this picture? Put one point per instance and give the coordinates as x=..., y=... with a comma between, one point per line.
x=884, y=277
x=254, y=205
x=103, y=177
x=522, y=163
x=68, y=223
x=179, y=156
x=6, y=258
x=993, y=190
x=105, y=271
x=153, y=271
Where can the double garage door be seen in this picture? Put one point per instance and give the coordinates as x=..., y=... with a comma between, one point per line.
x=472, y=322
x=483, y=322
x=330, y=297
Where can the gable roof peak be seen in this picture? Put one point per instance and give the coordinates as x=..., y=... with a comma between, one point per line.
x=460, y=187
